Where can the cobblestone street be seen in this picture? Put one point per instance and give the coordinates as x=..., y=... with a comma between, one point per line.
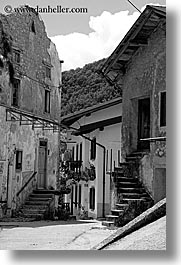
x=80, y=235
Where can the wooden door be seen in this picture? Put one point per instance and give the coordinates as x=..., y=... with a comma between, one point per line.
x=143, y=123
x=42, y=161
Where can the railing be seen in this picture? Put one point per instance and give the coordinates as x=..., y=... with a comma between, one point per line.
x=24, y=186
x=153, y=139
x=64, y=206
x=73, y=165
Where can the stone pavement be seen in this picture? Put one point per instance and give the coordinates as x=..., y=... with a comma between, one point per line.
x=56, y=235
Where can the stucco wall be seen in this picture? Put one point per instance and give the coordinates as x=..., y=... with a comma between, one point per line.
x=110, y=137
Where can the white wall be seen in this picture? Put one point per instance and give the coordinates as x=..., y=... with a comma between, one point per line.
x=110, y=137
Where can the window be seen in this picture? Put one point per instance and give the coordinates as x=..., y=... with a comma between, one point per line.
x=80, y=193
x=16, y=56
x=76, y=191
x=80, y=155
x=77, y=152
x=47, y=101
x=15, y=92
x=73, y=151
x=19, y=156
x=33, y=27
x=92, y=198
x=93, y=149
x=48, y=72
x=163, y=109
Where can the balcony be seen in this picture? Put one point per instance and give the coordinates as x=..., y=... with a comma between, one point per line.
x=74, y=171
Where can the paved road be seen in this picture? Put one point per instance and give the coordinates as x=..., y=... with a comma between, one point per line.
x=52, y=235
x=150, y=237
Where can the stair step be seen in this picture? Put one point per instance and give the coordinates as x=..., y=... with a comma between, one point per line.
x=127, y=200
x=41, y=195
x=33, y=211
x=129, y=184
x=122, y=205
x=132, y=158
x=35, y=216
x=134, y=195
x=108, y=223
x=131, y=190
x=30, y=202
x=42, y=191
x=125, y=163
x=34, y=206
x=137, y=153
x=111, y=216
x=126, y=179
x=32, y=198
x=116, y=212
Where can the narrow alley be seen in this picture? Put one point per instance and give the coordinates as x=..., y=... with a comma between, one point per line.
x=60, y=235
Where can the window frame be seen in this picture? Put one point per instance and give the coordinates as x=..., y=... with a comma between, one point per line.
x=16, y=54
x=15, y=103
x=47, y=103
x=19, y=165
x=48, y=72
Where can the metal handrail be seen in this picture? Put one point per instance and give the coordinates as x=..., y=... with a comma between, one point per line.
x=152, y=139
x=24, y=186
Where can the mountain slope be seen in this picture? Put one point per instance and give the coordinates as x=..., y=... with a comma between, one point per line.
x=84, y=87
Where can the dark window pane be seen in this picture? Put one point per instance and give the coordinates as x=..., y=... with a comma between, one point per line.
x=93, y=149
x=19, y=155
x=80, y=152
x=163, y=109
x=15, y=92
x=48, y=72
x=80, y=193
x=47, y=101
x=92, y=198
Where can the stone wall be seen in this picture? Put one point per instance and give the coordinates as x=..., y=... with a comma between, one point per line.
x=36, y=52
x=146, y=77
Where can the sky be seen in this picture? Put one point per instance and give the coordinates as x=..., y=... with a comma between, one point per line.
x=83, y=38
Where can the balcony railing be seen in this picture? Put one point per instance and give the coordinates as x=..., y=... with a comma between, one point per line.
x=75, y=166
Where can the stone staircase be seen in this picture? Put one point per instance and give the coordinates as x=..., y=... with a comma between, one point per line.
x=132, y=197
x=38, y=206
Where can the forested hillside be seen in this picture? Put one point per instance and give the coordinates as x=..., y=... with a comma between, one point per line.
x=84, y=87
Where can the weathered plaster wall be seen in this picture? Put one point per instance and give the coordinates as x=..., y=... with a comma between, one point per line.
x=15, y=137
x=36, y=51
x=145, y=77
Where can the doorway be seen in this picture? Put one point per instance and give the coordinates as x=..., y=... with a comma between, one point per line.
x=143, y=123
x=42, y=164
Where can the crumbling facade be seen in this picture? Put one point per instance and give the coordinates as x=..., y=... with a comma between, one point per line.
x=30, y=96
x=138, y=67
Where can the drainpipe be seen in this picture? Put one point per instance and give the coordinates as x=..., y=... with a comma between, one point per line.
x=104, y=169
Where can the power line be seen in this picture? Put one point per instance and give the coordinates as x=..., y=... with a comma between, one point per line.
x=134, y=6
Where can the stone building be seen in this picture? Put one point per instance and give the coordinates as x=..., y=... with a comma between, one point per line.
x=138, y=67
x=30, y=96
